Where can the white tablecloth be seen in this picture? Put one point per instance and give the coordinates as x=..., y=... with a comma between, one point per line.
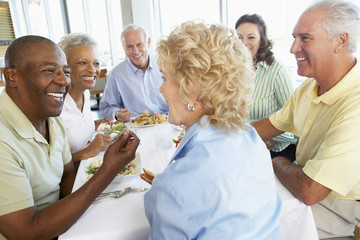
x=124, y=218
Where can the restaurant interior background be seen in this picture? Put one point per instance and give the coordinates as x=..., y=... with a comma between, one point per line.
x=104, y=21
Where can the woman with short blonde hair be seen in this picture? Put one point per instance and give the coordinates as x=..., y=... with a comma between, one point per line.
x=220, y=179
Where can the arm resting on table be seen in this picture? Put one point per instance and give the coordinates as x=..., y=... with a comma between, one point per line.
x=32, y=223
x=298, y=183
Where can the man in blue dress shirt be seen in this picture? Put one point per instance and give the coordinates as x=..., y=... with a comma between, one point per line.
x=133, y=85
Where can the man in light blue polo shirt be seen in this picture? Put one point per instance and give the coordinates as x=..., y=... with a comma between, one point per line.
x=133, y=85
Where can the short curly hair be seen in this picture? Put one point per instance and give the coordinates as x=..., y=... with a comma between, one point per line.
x=265, y=49
x=76, y=40
x=210, y=60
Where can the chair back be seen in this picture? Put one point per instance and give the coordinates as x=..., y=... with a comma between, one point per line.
x=100, y=83
x=2, y=79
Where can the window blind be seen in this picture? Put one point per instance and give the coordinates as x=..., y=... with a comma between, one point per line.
x=6, y=28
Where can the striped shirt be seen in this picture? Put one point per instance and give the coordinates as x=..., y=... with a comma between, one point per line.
x=273, y=87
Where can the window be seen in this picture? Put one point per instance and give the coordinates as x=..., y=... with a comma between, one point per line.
x=102, y=19
x=54, y=19
x=76, y=16
x=99, y=29
x=174, y=12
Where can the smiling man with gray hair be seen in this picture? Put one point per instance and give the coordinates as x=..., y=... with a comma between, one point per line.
x=325, y=113
x=133, y=85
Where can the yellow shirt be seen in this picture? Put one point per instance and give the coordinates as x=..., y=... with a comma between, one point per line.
x=329, y=131
x=30, y=167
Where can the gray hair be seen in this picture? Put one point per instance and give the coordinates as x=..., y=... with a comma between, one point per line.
x=340, y=17
x=130, y=28
x=76, y=40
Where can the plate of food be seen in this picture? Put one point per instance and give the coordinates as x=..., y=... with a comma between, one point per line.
x=93, y=164
x=147, y=120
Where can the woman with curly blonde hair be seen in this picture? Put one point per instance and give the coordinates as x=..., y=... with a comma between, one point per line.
x=220, y=179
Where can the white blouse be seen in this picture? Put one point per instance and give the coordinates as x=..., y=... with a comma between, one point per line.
x=80, y=126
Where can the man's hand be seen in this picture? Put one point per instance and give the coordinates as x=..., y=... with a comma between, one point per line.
x=47, y=223
x=121, y=152
x=123, y=115
x=298, y=183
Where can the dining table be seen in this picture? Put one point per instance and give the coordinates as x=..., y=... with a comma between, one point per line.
x=124, y=218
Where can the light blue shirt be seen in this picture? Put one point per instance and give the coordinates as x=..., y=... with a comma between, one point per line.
x=131, y=88
x=217, y=186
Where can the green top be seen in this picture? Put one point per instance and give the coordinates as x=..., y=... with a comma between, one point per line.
x=273, y=87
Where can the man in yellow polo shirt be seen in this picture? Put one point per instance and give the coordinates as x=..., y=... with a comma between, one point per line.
x=325, y=113
x=36, y=171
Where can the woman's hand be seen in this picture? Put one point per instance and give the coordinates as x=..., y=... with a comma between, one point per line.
x=123, y=115
x=100, y=143
x=99, y=121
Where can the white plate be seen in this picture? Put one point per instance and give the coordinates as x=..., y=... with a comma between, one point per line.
x=149, y=125
x=145, y=126
x=138, y=169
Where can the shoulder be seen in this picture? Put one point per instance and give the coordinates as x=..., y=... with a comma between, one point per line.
x=119, y=69
x=153, y=64
x=57, y=124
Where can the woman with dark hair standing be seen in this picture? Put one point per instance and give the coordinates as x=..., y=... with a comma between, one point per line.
x=273, y=85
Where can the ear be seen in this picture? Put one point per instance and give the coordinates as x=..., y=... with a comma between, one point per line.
x=149, y=41
x=10, y=77
x=341, y=42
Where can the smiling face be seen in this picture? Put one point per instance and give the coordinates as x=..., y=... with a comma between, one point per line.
x=249, y=34
x=312, y=48
x=41, y=81
x=136, y=48
x=85, y=67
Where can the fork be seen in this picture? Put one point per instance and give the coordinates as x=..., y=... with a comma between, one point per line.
x=132, y=112
x=118, y=194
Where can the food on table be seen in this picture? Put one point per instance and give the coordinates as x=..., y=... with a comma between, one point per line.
x=118, y=126
x=103, y=126
x=96, y=163
x=113, y=126
x=179, y=139
x=147, y=119
x=147, y=176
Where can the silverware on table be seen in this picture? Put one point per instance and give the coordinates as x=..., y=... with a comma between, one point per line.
x=118, y=194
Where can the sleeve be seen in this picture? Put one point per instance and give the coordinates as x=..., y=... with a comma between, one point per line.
x=111, y=100
x=15, y=189
x=66, y=155
x=337, y=164
x=283, y=119
x=284, y=87
x=166, y=213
